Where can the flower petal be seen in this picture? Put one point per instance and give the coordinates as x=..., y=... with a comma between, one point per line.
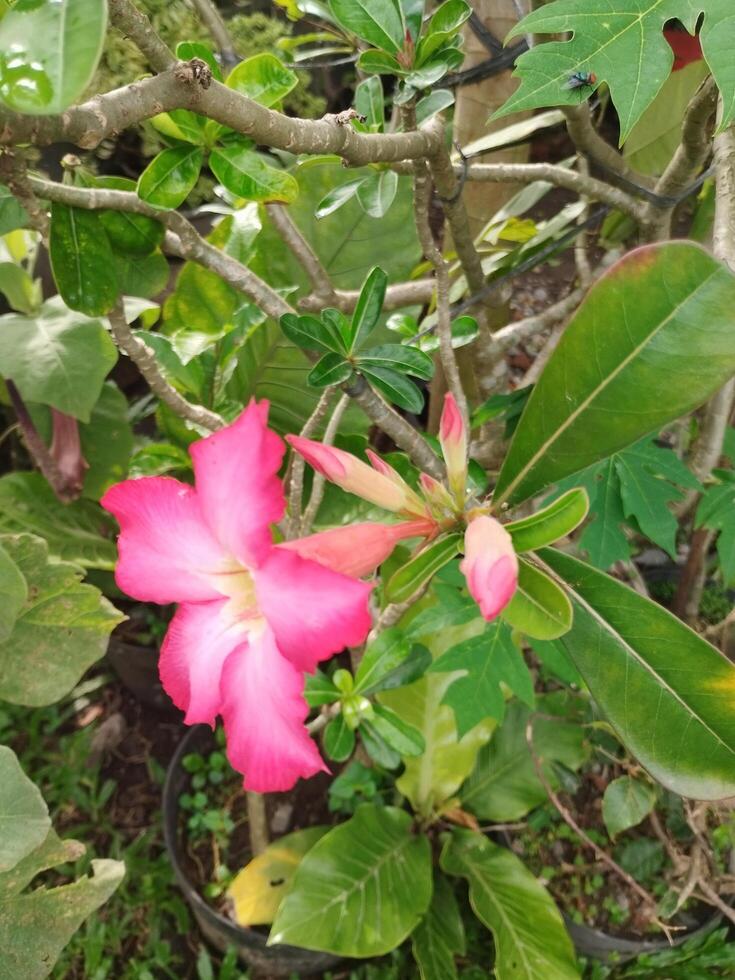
x=453, y=439
x=264, y=712
x=200, y=638
x=313, y=611
x=357, y=549
x=354, y=476
x=490, y=565
x=236, y=472
x=166, y=551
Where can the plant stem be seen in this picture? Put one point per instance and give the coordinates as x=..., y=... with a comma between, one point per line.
x=257, y=823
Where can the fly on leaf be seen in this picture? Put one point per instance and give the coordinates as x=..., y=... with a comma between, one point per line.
x=581, y=78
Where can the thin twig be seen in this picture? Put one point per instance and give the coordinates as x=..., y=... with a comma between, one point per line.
x=317, y=487
x=257, y=823
x=37, y=448
x=318, y=276
x=218, y=29
x=134, y=24
x=298, y=465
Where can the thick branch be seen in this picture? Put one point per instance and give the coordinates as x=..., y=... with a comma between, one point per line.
x=415, y=293
x=88, y=124
x=133, y=24
x=145, y=361
x=217, y=28
x=597, y=150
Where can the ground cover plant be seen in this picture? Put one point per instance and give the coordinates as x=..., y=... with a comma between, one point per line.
x=426, y=511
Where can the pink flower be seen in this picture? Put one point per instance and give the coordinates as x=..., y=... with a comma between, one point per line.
x=253, y=616
x=453, y=439
x=490, y=565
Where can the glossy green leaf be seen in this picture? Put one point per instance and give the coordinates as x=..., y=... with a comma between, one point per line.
x=339, y=739
x=61, y=630
x=57, y=357
x=665, y=690
x=716, y=511
x=319, y=689
x=12, y=213
x=377, y=748
x=13, y=593
x=107, y=442
x=403, y=738
x=531, y=942
x=442, y=27
x=550, y=523
x=361, y=889
x=263, y=78
x=436, y=101
x=397, y=357
x=24, y=819
x=440, y=935
x=50, y=52
x=485, y=661
x=395, y=387
x=332, y=369
x=182, y=125
x=379, y=63
x=411, y=576
x=135, y=234
x=81, y=260
x=379, y=22
x=370, y=103
x=142, y=275
x=625, y=802
x=368, y=307
x=336, y=197
x=504, y=785
x=18, y=288
x=258, y=889
x=607, y=42
x=171, y=176
x=539, y=608
x=309, y=333
x=658, y=322
x=390, y=661
x=377, y=192
x=243, y=172
x=80, y=532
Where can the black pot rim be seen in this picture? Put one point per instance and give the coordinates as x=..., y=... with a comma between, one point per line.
x=240, y=936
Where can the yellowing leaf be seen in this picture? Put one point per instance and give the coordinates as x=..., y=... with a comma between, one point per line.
x=258, y=889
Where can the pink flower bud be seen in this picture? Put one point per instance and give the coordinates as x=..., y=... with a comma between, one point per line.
x=354, y=476
x=453, y=439
x=436, y=494
x=490, y=565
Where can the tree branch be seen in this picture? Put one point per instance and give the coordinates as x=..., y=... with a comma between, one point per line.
x=317, y=486
x=218, y=29
x=145, y=361
x=597, y=150
x=37, y=448
x=324, y=294
x=134, y=24
x=298, y=465
x=415, y=293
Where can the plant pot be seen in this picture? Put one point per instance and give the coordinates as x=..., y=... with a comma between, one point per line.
x=136, y=667
x=599, y=945
x=220, y=931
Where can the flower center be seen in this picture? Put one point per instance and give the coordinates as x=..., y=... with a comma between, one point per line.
x=237, y=584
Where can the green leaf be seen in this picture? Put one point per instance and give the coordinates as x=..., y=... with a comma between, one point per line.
x=608, y=42
x=626, y=802
x=379, y=63
x=603, y=539
x=411, y=576
x=319, y=689
x=336, y=197
x=639, y=320
x=443, y=26
x=551, y=523
x=397, y=389
x=332, y=369
x=390, y=661
x=370, y=103
x=368, y=307
x=258, y=889
x=135, y=234
x=24, y=819
x=377, y=192
x=440, y=935
x=263, y=78
x=61, y=630
x=716, y=511
x=170, y=177
x=12, y=213
x=436, y=101
x=13, y=593
x=49, y=53
x=539, y=607
x=35, y=925
x=107, y=442
x=531, y=942
x=18, y=288
x=404, y=739
x=339, y=739
x=377, y=748
x=379, y=22
x=182, y=125
x=80, y=532
x=57, y=357
x=309, y=333
x=397, y=357
x=486, y=661
x=361, y=889
x=142, y=275
x=664, y=689
x=186, y=50
x=82, y=261
x=504, y=785
x=244, y=173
